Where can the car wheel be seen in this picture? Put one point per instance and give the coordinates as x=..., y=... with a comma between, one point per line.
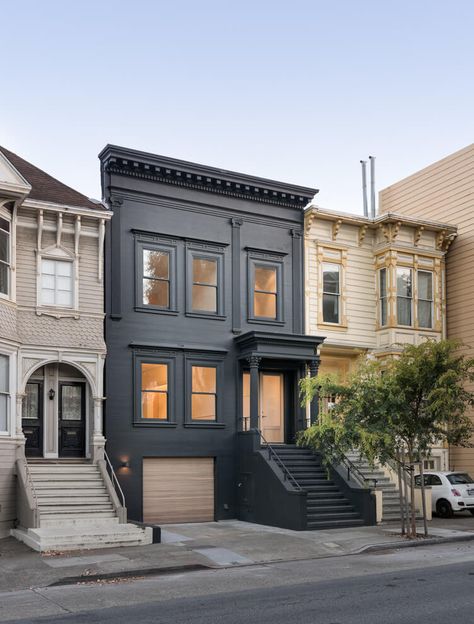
x=444, y=509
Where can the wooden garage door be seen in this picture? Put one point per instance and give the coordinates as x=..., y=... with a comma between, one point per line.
x=178, y=489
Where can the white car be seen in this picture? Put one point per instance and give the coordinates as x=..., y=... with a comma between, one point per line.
x=450, y=491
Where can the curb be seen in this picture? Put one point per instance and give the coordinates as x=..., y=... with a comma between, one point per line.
x=91, y=578
x=430, y=541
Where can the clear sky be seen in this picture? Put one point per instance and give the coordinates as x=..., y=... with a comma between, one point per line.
x=297, y=91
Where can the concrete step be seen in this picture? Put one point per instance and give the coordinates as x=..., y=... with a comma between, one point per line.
x=330, y=515
x=333, y=524
x=72, y=485
x=324, y=502
x=78, y=520
x=314, y=510
x=66, y=476
x=46, y=501
x=324, y=494
x=65, y=491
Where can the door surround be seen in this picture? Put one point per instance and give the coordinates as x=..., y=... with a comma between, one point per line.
x=269, y=406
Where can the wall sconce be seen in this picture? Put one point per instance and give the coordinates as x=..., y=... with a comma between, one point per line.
x=125, y=464
x=51, y=394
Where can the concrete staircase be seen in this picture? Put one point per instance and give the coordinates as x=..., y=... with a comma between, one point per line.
x=326, y=505
x=76, y=510
x=391, y=494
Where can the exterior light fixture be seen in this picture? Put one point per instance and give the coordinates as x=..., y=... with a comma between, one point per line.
x=125, y=464
x=51, y=394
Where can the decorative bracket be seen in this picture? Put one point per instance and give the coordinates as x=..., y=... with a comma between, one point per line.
x=362, y=232
x=336, y=226
x=417, y=235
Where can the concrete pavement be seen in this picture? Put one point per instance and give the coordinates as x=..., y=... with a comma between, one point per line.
x=213, y=545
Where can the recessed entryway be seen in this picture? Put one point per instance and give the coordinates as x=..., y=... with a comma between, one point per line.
x=271, y=405
x=178, y=489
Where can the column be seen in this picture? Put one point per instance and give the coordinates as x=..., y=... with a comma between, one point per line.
x=313, y=366
x=19, y=415
x=236, y=224
x=254, y=362
x=297, y=278
x=98, y=440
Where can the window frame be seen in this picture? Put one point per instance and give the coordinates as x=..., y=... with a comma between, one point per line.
x=138, y=420
x=45, y=257
x=209, y=362
x=7, y=217
x=411, y=299
x=383, y=298
x=418, y=299
x=254, y=261
x=338, y=294
x=8, y=394
x=154, y=244
x=205, y=252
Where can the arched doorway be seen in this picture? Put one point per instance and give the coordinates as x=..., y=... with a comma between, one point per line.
x=55, y=412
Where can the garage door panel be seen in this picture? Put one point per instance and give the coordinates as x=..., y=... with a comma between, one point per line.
x=178, y=489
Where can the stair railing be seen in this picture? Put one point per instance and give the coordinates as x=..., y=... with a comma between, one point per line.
x=113, y=478
x=353, y=470
x=31, y=483
x=273, y=455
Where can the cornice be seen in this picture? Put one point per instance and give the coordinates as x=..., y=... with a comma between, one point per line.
x=202, y=178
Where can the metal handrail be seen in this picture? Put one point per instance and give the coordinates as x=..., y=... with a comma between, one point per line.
x=352, y=468
x=30, y=481
x=115, y=481
x=272, y=454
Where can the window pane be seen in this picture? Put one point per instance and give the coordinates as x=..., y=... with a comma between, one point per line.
x=156, y=264
x=383, y=282
x=4, y=274
x=155, y=405
x=64, y=298
x=156, y=292
x=63, y=268
x=265, y=305
x=204, y=378
x=48, y=267
x=71, y=403
x=383, y=311
x=4, y=247
x=331, y=308
x=424, y=314
x=404, y=285
x=4, y=368
x=204, y=271
x=48, y=281
x=31, y=406
x=3, y=412
x=203, y=407
x=62, y=283
x=425, y=285
x=331, y=278
x=155, y=377
x=4, y=224
x=266, y=279
x=205, y=298
x=403, y=311
x=47, y=296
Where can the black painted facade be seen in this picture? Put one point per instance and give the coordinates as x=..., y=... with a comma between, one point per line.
x=241, y=222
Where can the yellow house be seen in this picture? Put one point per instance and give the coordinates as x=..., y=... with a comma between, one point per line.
x=374, y=285
x=445, y=190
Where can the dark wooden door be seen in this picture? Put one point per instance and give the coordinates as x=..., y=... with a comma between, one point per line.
x=32, y=419
x=71, y=421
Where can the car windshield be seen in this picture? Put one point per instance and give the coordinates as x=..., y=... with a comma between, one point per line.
x=459, y=477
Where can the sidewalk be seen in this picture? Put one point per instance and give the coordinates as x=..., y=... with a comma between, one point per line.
x=188, y=547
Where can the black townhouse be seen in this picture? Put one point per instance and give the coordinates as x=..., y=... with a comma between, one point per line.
x=205, y=339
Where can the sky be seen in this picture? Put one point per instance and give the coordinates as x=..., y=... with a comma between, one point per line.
x=296, y=91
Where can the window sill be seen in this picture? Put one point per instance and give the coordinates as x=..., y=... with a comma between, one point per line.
x=204, y=425
x=151, y=423
x=153, y=310
x=337, y=326
x=203, y=315
x=58, y=312
x=263, y=321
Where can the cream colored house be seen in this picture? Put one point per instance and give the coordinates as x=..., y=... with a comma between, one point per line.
x=52, y=353
x=373, y=285
x=445, y=191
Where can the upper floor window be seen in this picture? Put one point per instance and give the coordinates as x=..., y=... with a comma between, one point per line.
x=331, y=292
x=383, y=296
x=265, y=292
x=5, y=245
x=154, y=391
x=425, y=299
x=203, y=393
x=56, y=283
x=156, y=278
x=4, y=392
x=404, y=296
x=205, y=284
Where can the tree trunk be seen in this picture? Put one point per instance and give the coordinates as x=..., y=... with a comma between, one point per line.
x=400, y=493
x=423, y=501
x=405, y=494
x=412, y=491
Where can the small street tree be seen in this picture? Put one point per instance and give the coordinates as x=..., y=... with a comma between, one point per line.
x=395, y=409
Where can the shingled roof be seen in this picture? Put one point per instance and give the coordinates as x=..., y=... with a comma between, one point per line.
x=46, y=188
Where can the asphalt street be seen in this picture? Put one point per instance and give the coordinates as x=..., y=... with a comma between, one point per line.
x=432, y=584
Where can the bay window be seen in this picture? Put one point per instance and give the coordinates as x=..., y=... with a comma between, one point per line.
x=383, y=296
x=404, y=296
x=331, y=292
x=5, y=245
x=425, y=299
x=4, y=392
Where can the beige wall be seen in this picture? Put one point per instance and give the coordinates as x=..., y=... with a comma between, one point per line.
x=7, y=485
x=445, y=191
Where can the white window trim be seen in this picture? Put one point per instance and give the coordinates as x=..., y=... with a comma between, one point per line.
x=5, y=214
x=418, y=299
x=60, y=254
x=11, y=411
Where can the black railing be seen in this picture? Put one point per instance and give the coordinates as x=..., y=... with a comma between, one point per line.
x=353, y=470
x=273, y=455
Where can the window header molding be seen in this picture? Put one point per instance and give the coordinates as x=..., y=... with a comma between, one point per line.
x=265, y=254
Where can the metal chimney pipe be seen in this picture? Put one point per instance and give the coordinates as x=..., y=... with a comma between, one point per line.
x=364, y=187
x=372, y=186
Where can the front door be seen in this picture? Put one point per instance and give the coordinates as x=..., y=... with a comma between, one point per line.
x=271, y=407
x=32, y=419
x=71, y=419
